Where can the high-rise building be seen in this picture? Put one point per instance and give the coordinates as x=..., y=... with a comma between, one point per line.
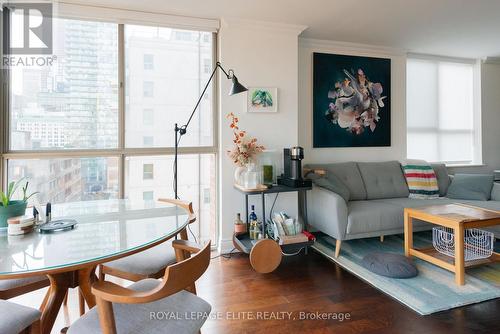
x=72, y=104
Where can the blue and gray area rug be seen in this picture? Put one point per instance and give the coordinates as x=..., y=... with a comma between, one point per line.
x=433, y=290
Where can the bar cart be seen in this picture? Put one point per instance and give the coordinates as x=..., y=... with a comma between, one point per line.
x=266, y=254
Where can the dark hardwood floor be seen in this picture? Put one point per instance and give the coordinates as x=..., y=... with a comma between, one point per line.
x=305, y=283
x=311, y=283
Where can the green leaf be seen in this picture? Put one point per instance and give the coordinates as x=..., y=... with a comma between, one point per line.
x=4, y=198
x=10, y=189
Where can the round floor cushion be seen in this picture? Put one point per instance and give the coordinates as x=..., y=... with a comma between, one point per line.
x=390, y=265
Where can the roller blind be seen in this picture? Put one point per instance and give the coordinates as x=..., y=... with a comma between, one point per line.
x=441, y=122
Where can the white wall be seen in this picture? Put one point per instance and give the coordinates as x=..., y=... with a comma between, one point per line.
x=397, y=150
x=261, y=54
x=265, y=54
x=490, y=106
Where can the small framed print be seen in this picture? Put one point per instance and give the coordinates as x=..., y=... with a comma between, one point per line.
x=262, y=100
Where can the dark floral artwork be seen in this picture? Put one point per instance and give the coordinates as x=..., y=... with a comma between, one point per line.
x=351, y=101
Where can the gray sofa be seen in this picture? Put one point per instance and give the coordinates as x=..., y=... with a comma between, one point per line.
x=377, y=196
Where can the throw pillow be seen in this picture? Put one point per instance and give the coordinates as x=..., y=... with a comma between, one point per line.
x=443, y=178
x=471, y=187
x=421, y=179
x=333, y=183
x=495, y=192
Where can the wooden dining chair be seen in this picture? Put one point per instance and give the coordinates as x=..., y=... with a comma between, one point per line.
x=10, y=288
x=150, y=263
x=15, y=319
x=142, y=307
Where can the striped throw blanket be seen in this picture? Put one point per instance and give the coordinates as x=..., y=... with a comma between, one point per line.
x=421, y=179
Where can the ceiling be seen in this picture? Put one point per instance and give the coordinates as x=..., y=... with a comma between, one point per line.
x=460, y=28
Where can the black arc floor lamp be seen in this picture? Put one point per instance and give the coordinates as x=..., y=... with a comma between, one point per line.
x=236, y=88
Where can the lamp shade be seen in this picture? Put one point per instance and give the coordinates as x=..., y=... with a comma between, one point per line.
x=236, y=87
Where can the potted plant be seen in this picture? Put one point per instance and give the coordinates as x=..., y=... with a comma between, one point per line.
x=12, y=208
x=245, y=150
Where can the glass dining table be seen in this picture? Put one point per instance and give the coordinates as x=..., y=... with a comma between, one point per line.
x=106, y=230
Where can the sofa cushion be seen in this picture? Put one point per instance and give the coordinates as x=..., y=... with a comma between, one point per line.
x=373, y=216
x=383, y=179
x=443, y=178
x=495, y=192
x=333, y=183
x=471, y=187
x=488, y=205
x=416, y=203
x=348, y=173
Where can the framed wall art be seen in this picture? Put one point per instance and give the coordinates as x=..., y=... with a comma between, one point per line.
x=351, y=101
x=262, y=99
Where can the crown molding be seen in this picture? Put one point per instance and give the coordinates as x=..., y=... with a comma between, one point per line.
x=349, y=47
x=263, y=26
x=491, y=60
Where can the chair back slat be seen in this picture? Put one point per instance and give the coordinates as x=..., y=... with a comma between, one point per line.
x=184, y=274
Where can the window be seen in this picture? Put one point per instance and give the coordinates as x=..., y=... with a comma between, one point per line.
x=443, y=110
x=72, y=104
x=207, y=66
x=68, y=179
x=64, y=129
x=183, y=36
x=148, y=141
x=148, y=117
x=177, y=83
x=196, y=181
x=147, y=171
x=148, y=89
x=148, y=195
x=149, y=62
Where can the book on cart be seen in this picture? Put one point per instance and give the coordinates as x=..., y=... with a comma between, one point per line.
x=292, y=239
x=286, y=230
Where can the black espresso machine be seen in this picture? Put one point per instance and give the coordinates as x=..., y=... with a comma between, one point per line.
x=292, y=163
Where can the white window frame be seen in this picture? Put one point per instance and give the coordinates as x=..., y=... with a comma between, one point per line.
x=477, y=159
x=121, y=152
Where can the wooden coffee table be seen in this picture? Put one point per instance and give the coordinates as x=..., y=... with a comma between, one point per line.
x=458, y=217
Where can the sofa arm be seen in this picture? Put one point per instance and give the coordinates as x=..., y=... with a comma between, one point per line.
x=327, y=212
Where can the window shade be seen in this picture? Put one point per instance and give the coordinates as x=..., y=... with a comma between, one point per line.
x=440, y=111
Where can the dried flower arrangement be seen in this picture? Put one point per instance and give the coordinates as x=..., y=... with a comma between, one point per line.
x=245, y=148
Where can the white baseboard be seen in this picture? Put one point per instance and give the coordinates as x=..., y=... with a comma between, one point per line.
x=225, y=246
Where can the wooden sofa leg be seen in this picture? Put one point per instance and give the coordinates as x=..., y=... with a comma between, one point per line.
x=381, y=238
x=337, y=248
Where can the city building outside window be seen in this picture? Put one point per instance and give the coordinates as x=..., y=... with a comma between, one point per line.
x=183, y=36
x=443, y=110
x=149, y=62
x=148, y=117
x=148, y=89
x=74, y=107
x=207, y=66
x=148, y=195
x=147, y=171
x=148, y=141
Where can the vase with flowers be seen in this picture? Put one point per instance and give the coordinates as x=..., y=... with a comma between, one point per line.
x=243, y=154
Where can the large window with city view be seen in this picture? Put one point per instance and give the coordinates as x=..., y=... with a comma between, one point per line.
x=98, y=122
